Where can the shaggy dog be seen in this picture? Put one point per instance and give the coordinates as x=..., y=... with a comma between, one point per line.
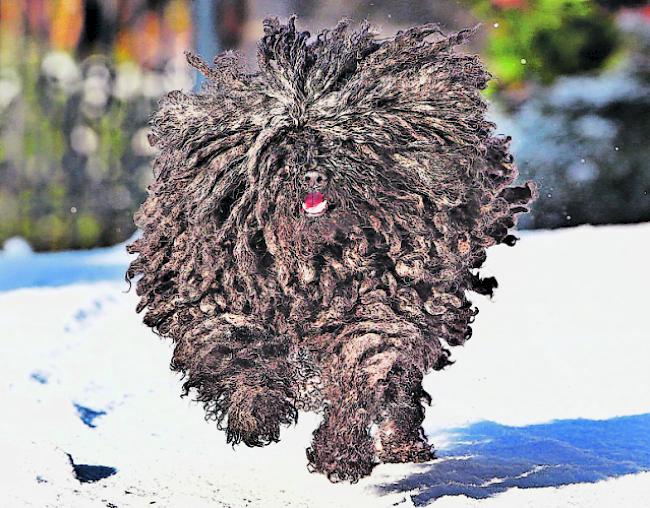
x=313, y=228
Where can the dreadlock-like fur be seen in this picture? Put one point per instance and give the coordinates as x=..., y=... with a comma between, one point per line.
x=272, y=310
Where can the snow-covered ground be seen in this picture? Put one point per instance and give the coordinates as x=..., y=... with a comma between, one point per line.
x=547, y=406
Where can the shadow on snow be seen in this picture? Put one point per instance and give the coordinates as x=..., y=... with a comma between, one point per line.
x=54, y=269
x=486, y=458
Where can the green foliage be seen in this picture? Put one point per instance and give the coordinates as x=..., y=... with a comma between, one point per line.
x=544, y=39
x=88, y=230
x=584, y=141
x=70, y=174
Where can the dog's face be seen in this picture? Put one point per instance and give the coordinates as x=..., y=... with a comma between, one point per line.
x=342, y=159
x=314, y=188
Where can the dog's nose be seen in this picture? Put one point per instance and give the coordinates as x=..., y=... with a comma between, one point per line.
x=314, y=179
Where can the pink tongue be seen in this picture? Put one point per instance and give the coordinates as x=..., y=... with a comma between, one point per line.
x=313, y=199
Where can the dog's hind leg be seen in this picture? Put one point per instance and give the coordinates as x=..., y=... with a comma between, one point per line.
x=242, y=374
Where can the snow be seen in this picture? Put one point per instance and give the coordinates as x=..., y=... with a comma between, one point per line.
x=547, y=405
x=563, y=335
x=20, y=267
x=597, y=91
x=16, y=247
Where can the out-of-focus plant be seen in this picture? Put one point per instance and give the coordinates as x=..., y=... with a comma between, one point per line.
x=74, y=156
x=544, y=39
x=584, y=140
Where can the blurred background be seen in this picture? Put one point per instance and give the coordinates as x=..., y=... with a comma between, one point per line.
x=79, y=79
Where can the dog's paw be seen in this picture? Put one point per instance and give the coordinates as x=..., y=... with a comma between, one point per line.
x=341, y=456
x=349, y=466
x=414, y=451
x=393, y=446
x=255, y=417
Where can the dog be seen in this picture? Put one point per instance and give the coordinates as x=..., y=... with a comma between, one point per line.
x=312, y=230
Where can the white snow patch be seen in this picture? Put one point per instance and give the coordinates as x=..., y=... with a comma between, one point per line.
x=565, y=337
x=16, y=247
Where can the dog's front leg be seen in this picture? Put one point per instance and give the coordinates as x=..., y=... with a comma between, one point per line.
x=342, y=447
x=242, y=374
x=399, y=436
x=373, y=391
x=373, y=412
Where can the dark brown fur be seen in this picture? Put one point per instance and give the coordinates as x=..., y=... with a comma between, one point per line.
x=272, y=311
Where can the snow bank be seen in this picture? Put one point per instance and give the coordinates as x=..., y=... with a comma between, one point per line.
x=92, y=416
x=20, y=267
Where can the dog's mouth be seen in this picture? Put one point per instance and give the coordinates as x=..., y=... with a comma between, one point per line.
x=315, y=204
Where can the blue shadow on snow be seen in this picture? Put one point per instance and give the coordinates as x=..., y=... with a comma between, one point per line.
x=487, y=458
x=54, y=269
x=89, y=473
x=88, y=415
x=39, y=377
